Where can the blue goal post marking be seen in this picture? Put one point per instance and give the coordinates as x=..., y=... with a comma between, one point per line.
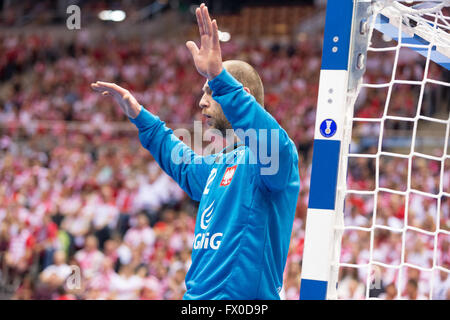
x=328, y=138
x=322, y=194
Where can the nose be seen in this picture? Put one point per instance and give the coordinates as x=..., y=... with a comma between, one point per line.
x=203, y=102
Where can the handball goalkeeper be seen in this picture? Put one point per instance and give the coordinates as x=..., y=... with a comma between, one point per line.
x=246, y=211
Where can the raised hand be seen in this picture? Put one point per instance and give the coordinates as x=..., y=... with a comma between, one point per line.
x=123, y=97
x=207, y=59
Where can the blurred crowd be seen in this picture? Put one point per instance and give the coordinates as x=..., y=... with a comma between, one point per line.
x=32, y=13
x=86, y=213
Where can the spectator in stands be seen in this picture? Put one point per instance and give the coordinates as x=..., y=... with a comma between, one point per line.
x=441, y=288
x=390, y=292
x=141, y=238
x=125, y=285
x=90, y=258
x=56, y=274
x=412, y=291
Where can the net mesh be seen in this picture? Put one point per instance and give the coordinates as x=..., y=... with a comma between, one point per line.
x=393, y=240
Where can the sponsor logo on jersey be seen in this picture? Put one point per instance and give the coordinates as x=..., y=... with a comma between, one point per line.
x=228, y=176
x=204, y=240
x=206, y=216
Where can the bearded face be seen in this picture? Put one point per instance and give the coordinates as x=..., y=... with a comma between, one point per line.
x=212, y=111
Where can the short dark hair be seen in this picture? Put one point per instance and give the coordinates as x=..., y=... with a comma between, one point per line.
x=248, y=76
x=413, y=283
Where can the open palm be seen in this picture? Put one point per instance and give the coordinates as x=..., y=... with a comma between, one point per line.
x=123, y=97
x=207, y=59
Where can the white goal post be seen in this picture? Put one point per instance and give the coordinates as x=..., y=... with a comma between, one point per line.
x=424, y=28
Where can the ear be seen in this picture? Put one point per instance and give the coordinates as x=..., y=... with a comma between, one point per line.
x=247, y=90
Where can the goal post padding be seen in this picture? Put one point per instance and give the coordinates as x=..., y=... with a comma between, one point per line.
x=328, y=138
x=348, y=27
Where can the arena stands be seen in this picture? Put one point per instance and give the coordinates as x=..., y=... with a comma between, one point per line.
x=79, y=193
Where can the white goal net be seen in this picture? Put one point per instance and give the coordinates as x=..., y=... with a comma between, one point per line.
x=395, y=227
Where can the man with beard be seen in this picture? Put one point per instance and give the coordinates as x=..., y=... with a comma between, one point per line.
x=247, y=204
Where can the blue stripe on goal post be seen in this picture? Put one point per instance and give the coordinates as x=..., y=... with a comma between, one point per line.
x=322, y=193
x=338, y=23
x=313, y=289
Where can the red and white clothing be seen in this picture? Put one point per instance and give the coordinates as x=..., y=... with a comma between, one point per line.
x=126, y=288
x=105, y=214
x=62, y=271
x=102, y=282
x=136, y=236
x=154, y=285
x=90, y=262
x=441, y=286
x=19, y=244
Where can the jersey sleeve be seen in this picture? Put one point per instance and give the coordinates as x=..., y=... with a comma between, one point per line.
x=180, y=162
x=275, y=153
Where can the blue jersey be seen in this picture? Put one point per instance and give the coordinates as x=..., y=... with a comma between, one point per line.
x=245, y=217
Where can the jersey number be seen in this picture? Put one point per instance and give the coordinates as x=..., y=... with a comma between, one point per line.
x=211, y=177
